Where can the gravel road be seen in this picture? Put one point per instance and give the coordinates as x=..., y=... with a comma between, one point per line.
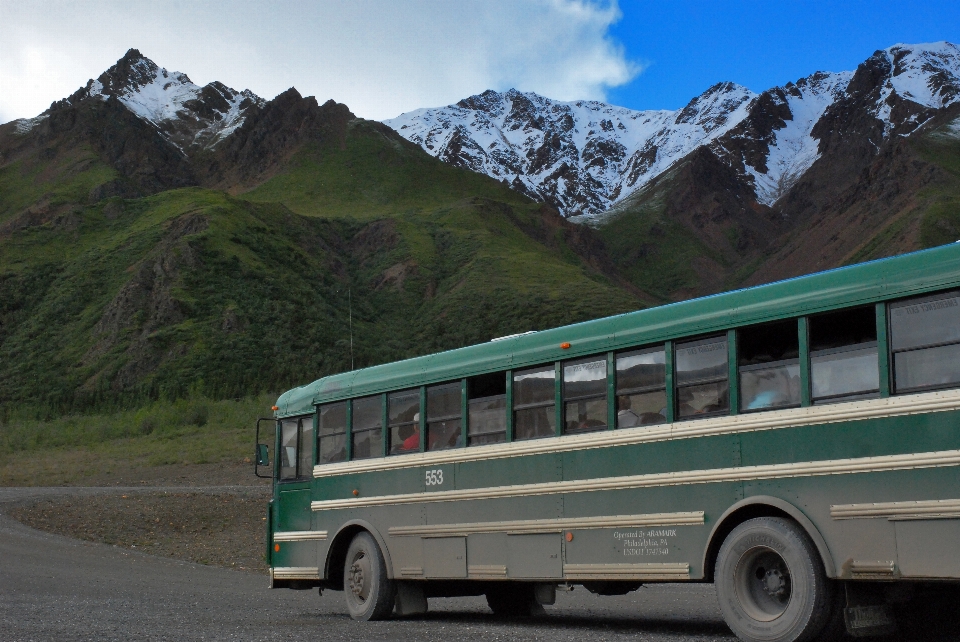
x=58, y=588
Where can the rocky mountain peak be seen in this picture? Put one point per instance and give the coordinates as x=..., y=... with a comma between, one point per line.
x=584, y=157
x=189, y=116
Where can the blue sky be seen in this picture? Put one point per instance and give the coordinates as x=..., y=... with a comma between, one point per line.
x=688, y=46
x=385, y=57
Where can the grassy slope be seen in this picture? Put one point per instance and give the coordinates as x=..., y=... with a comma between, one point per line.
x=193, y=291
x=654, y=252
x=64, y=181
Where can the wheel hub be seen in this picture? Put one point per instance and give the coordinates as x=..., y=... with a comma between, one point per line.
x=763, y=583
x=775, y=583
x=357, y=578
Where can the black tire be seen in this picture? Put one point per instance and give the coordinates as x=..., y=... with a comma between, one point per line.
x=513, y=599
x=771, y=583
x=370, y=594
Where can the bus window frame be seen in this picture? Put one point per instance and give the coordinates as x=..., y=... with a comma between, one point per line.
x=732, y=389
x=616, y=392
x=894, y=389
x=555, y=401
x=605, y=395
x=345, y=433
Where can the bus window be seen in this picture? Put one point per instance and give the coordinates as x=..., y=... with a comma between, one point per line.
x=332, y=433
x=702, y=386
x=925, y=339
x=305, y=468
x=404, y=408
x=769, y=363
x=444, y=416
x=843, y=355
x=367, y=433
x=585, y=395
x=289, y=436
x=641, y=388
x=487, y=403
x=534, y=403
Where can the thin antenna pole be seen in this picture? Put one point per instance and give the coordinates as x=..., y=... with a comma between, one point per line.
x=350, y=308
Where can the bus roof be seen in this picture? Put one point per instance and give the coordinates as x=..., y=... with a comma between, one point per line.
x=913, y=273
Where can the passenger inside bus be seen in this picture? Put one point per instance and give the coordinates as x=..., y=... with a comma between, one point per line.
x=410, y=434
x=770, y=388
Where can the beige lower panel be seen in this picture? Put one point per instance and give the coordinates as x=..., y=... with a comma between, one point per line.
x=486, y=572
x=411, y=571
x=881, y=463
x=664, y=571
x=926, y=509
x=299, y=536
x=295, y=573
x=693, y=518
x=873, y=569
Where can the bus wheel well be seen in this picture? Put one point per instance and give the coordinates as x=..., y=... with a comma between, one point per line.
x=337, y=556
x=729, y=523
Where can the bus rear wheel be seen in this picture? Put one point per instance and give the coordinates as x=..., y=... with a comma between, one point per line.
x=771, y=584
x=370, y=594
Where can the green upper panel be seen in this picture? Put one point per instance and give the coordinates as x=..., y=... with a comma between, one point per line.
x=914, y=273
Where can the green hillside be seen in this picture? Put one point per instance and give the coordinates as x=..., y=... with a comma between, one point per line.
x=196, y=292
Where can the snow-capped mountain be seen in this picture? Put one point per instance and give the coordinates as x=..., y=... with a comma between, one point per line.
x=584, y=157
x=186, y=114
x=580, y=156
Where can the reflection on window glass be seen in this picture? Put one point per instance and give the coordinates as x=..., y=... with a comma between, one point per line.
x=927, y=368
x=404, y=408
x=925, y=339
x=641, y=392
x=443, y=416
x=923, y=322
x=703, y=360
x=844, y=373
x=306, y=447
x=534, y=404
x=487, y=409
x=701, y=368
x=288, y=449
x=586, y=378
x=332, y=432
x=843, y=355
x=585, y=395
x=367, y=431
x=641, y=369
x=533, y=386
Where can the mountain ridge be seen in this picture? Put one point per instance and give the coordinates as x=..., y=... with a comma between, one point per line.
x=771, y=138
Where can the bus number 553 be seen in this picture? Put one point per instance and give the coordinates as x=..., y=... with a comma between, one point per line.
x=434, y=477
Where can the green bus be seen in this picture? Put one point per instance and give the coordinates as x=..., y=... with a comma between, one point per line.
x=796, y=443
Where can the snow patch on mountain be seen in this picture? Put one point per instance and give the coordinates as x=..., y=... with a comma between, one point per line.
x=25, y=125
x=581, y=156
x=794, y=149
x=185, y=113
x=927, y=74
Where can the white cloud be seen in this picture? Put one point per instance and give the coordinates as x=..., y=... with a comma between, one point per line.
x=380, y=57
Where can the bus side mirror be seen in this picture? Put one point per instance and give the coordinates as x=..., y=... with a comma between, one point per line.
x=263, y=455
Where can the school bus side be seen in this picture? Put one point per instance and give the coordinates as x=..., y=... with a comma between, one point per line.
x=867, y=486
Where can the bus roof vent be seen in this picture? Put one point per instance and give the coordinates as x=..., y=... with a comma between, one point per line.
x=513, y=336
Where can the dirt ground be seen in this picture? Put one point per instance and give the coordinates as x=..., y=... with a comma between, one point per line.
x=217, y=527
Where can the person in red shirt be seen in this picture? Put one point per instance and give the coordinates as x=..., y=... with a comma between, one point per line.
x=413, y=441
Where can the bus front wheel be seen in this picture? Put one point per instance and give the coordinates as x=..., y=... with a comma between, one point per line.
x=771, y=584
x=370, y=594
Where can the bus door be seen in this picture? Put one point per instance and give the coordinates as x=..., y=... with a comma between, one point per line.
x=292, y=514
